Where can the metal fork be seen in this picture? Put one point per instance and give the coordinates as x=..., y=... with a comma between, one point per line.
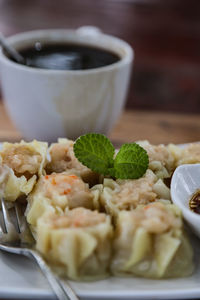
x=15, y=237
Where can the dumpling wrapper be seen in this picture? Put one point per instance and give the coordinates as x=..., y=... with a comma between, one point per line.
x=161, y=161
x=23, y=158
x=59, y=192
x=20, y=164
x=64, y=160
x=150, y=242
x=11, y=186
x=77, y=244
x=189, y=154
x=128, y=194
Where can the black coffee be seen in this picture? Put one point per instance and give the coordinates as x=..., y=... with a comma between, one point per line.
x=68, y=57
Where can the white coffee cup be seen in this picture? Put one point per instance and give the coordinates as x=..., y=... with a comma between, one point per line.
x=47, y=104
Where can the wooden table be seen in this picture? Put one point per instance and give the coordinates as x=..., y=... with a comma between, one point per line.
x=157, y=127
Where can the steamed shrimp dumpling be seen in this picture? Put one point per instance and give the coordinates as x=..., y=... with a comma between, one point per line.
x=189, y=154
x=13, y=187
x=64, y=160
x=20, y=165
x=77, y=244
x=23, y=158
x=150, y=242
x=161, y=161
x=128, y=194
x=58, y=191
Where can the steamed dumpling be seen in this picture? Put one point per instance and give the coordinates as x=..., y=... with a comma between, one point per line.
x=57, y=192
x=128, y=194
x=11, y=186
x=63, y=159
x=187, y=155
x=23, y=158
x=161, y=161
x=150, y=242
x=77, y=244
x=20, y=164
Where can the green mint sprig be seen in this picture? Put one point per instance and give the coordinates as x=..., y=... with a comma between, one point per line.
x=96, y=152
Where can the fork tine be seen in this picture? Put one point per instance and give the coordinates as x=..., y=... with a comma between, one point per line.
x=24, y=230
x=19, y=217
x=1, y=228
x=10, y=228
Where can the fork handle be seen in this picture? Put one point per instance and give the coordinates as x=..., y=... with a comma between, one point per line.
x=62, y=293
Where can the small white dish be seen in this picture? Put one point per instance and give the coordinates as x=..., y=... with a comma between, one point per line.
x=185, y=182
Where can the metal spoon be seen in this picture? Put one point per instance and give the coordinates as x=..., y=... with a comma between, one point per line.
x=11, y=51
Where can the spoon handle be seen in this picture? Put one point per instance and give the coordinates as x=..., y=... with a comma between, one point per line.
x=11, y=51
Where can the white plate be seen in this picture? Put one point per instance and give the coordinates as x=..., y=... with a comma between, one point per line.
x=20, y=278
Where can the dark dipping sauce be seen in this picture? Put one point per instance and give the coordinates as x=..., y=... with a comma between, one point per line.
x=67, y=57
x=195, y=202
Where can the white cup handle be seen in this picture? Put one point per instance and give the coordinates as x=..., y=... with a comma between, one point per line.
x=89, y=31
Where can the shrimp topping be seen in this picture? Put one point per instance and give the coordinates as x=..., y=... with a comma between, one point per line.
x=156, y=218
x=130, y=193
x=22, y=159
x=78, y=217
x=63, y=158
x=71, y=186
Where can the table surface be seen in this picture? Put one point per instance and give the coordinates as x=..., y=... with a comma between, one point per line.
x=133, y=125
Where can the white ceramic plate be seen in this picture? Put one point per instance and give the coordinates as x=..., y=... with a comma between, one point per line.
x=20, y=278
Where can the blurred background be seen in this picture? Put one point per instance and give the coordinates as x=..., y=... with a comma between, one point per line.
x=165, y=35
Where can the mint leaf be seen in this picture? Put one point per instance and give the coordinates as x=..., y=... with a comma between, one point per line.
x=131, y=162
x=95, y=151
